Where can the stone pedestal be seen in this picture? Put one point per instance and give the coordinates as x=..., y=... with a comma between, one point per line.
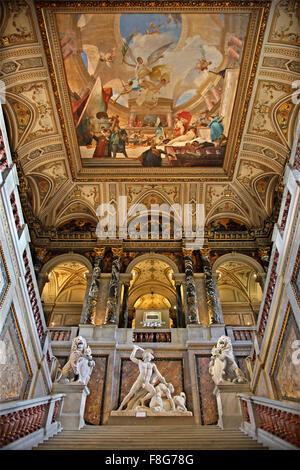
x=229, y=410
x=72, y=416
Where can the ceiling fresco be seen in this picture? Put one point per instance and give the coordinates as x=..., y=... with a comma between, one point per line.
x=167, y=79
x=54, y=54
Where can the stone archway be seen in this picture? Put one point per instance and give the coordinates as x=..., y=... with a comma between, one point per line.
x=240, y=285
x=63, y=282
x=152, y=286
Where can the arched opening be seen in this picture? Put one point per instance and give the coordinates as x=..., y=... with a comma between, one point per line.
x=239, y=290
x=64, y=294
x=152, y=294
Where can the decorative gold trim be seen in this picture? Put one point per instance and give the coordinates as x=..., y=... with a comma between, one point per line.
x=7, y=276
x=297, y=261
x=286, y=316
x=258, y=12
x=21, y=340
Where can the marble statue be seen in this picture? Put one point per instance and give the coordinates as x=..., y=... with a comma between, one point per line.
x=179, y=401
x=151, y=391
x=80, y=364
x=158, y=403
x=223, y=367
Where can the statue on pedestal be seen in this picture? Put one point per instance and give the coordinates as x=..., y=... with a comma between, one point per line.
x=80, y=364
x=151, y=390
x=223, y=367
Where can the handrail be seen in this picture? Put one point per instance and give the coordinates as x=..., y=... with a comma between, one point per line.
x=25, y=417
x=273, y=417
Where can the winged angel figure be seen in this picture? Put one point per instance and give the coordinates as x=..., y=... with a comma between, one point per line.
x=149, y=79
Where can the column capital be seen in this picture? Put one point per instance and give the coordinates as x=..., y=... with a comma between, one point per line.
x=117, y=252
x=187, y=252
x=205, y=252
x=99, y=252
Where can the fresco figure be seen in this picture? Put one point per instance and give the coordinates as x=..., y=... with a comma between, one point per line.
x=118, y=141
x=103, y=144
x=216, y=127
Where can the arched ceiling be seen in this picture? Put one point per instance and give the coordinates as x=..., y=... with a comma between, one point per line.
x=60, y=195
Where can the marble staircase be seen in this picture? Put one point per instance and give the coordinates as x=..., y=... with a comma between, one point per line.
x=151, y=438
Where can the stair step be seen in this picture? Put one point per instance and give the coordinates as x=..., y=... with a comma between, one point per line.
x=151, y=438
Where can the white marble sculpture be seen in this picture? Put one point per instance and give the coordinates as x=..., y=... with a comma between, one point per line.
x=80, y=364
x=223, y=367
x=151, y=391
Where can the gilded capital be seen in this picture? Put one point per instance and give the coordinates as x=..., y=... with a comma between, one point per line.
x=205, y=252
x=187, y=252
x=117, y=252
x=99, y=252
x=263, y=252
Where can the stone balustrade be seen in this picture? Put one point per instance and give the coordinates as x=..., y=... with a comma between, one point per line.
x=268, y=298
x=29, y=422
x=63, y=333
x=272, y=422
x=3, y=155
x=33, y=296
x=152, y=336
x=240, y=333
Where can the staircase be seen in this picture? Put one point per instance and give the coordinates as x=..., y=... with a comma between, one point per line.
x=151, y=438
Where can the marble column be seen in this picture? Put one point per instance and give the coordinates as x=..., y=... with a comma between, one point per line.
x=214, y=308
x=89, y=312
x=123, y=321
x=179, y=307
x=192, y=313
x=112, y=300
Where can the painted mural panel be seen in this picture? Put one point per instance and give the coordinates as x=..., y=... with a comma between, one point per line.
x=14, y=371
x=286, y=374
x=152, y=89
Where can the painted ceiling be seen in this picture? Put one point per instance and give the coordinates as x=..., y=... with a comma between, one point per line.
x=51, y=53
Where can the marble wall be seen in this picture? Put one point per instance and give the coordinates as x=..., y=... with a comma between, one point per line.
x=208, y=402
x=97, y=386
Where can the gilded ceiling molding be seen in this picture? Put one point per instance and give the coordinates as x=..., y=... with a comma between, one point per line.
x=276, y=146
x=286, y=77
x=291, y=51
x=269, y=162
x=21, y=52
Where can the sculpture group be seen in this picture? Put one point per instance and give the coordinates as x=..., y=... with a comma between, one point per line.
x=151, y=390
x=80, y=364
x=223, y=366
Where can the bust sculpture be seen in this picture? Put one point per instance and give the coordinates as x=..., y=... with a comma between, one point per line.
x=80, y=364
x=151, y=391
x=223, y=367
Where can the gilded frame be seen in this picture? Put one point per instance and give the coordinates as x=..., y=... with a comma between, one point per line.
x=5, y=273
x=296, y=273
x=258, y=12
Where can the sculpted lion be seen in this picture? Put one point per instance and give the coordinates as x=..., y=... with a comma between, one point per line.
x=223, y=366
x=80, y=364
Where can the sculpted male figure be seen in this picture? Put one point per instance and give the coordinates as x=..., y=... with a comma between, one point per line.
x=147, y=378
